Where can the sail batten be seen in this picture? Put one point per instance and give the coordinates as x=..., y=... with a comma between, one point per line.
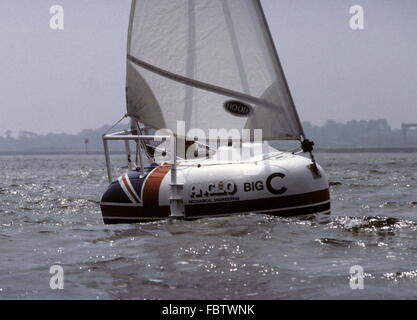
x=194, y=56
x=202, y=85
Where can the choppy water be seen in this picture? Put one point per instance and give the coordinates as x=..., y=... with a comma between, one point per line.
x=49, y=214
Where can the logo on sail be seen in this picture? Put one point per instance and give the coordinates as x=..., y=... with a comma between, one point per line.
x=238, y=108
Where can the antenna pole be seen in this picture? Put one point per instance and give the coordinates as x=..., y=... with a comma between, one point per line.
x=176, y=200
x=107, y=156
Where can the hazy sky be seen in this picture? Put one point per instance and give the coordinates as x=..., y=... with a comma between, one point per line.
x=66, y=81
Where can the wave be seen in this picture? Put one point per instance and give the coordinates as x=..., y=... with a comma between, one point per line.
x=335, y=183
x=372, y=224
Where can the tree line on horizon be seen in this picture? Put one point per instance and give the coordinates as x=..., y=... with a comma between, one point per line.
x=360, y=134
x=332, y=134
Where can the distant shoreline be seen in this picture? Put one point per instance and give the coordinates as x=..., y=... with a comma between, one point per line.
x=55, y=153
x=367, y=150
x=318, y=150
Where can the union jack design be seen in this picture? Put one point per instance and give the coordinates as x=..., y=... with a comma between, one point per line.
x=128, y=189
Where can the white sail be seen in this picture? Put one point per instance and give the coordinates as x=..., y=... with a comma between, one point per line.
x=141, y=101
x=192, y=60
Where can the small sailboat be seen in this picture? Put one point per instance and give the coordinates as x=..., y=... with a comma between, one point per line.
x=206, y=94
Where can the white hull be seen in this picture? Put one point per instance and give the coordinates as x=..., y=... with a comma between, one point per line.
x=285, y=186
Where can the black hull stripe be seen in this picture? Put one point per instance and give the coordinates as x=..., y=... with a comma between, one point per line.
x=153, y=210
x=259, y=205
x=322, y=208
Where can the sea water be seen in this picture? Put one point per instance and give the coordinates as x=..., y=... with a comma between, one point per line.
x=50, y=216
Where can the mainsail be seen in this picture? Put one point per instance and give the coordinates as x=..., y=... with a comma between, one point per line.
x=187, y=59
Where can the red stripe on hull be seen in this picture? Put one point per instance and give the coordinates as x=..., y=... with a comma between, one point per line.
x=151, y=191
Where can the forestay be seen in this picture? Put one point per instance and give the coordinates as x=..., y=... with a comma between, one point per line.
x=209, y=63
